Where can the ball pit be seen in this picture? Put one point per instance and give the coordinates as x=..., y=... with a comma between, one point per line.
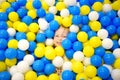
x=59, y=40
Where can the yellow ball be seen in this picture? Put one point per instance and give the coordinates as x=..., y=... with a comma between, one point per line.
x=10, y=24
x=77, y=67
x=1, y=10
x=107, y=1
x=115, y=37
x=22, y=27
x=54, y=77
x=91, y=71
x=86, y=44
x=45, y=6
x=29, y=5
x=13, y=16
x=39, y=52
x=66, y=22
x=117, y=63
x=96, y=78
x=15, y=24
x=58, y=19
x=95, y=42
x=59, y=51
x=30, y=75
x=34, y=27
x=85, y=10
x=81, y=76
x=5, y=5
x=60, y=6
x=30, y=36
x=3, y=66
x=42, y=77
x=116, y=5
x=10, y=62
x=32, y=14
x=97, y=6
x=11, y=1
x=95, y=25
x=82, y=36
x=41, y=45
x=88, y=51
x=13, y=43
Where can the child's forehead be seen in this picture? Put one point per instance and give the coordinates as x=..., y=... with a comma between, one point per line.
x=61, y=30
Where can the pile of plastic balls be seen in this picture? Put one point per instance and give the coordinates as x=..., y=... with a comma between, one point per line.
x=89, y=51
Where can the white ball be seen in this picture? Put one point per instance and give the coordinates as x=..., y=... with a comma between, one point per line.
x=23, y=67
x=119, y=41
x=50, y=2
x=102, y=33
x=64, y=13
x=118, y=13
x=116, y=52
x=74, y=28
x=13, y=70
x=115, y=74
x=70, y=2
x=107, y=43
x=58, y=61
x=29, y=59
x=86, y=61
x=43, y=24
x=53, y=9
x=67, y=66
x=18, y=76
x=108, y=66
x=23, y=44
x=49, y=42
x=11, y=32
x=78, y=56
x=93, y=15
x=107, y=7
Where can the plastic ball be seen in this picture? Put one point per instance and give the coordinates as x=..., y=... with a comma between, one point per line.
x=43, y=24
x=119, y=41
x=80, y=38
x=3, y=67
x=19, y=76
x=30, y=75
x=116, y=52
x=96, y=78
x=27, y=19
x=49, y=33
x=64, y=13
x=3, y=16
x=3, y=43
x=10, y=53
x=32, y=14
x=42, y=77
x=20, y=35
x=109, y=67
x=115, y=74
x=4, y=34
x=112, y=14
x=74, y=10
x=23, y=44
x=69, y=53
x=95, y=25
x=66, y=44
x=107, y=43
x=69, y=2
x=22, y=2
x=78, y=56
x=30, y=36
x=32, y=46
x=67, y=66
x=97, y=6
x=40, y=37
x=116, y=63
x=116, y=21
x=85, y=28
x=54, y=77
x=102, y=33
x=118, y=13
x=2, y=55
x=81, y=76
x=49, y=42
x=5, y=75
x=88, y=51
x=29, y=5
x=39, y=52
x=96, y=60
x=67, y=75
x=118, y=31
x=100, y=51
x=13, y=16
x=84, y=10
x=107, y=7
x=72, y=36
x=10, y=62
x=13, y=44
x=34, y=27
x=93, y=15
x=49, y=69
x=77, y=46
x=58, y=61
x=41, y=12
x=60, y=6
x=49, y=17
x=3, y=25
x=13, y=70
x=76, y=19
x=5, y=5
x=37, y=4
x=74, y=28
x=50, y=2
x=86, y=61
x=103, y=72
x=29, y=59
x=105, y=21
x=54, y=25
x=58, y=19
x=52, y=9
x=66, y=22
x=22, y=27
x=11, y=32
x=59, y=51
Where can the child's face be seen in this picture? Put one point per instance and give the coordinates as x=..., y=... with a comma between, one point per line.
x=60, y=34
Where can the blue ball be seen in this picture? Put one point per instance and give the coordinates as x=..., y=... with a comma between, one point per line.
x=111, y=14
x=38, y=65
x=37, y=4
x=103, y=72
x=96, y=60
x=49, y=33
x=2, y=55
x=49, y=69
x=77, y=46
x=3, y=25
x=115, y=44
x=22, y=12
x=5, y=75
x=66, y=44
x=116, y=21
x=67, y=75
x=74, y=10
x=45, y=60
x=10, y=9
x=101, y=14
x=76, y=19
x=85, y=20
x=49, y=17
x=109, y=58
x=41, y=12
x=100, y=51
x=91, y=34
x=85, y=28
x=3, y=16
x=3, y=44
x=69, y=53
x=84, y=2
x=40, y=37
x=15, y=6
x=111, y=29
x=22, y=2
x=10, y=53
x=54, y=25
x=72, y=36
x=32, y=46
x=20, y=35
x=20, y=54
x=4, y=34
x=105, y=21
x=27, y=19
x=118, y=30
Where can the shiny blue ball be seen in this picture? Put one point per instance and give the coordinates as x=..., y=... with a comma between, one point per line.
x=3, y=44
x=72, y=36
x=77, y=46
x=54, y=25
x=37, y=4
x=66, y=44
x=27, y=19
x=67, y=75
x=40, y=37
x=96, y=60
x=20, y=35
x=41, y=12
x=76, y=19
x=10, y=53
x=49, y=69
x=100, y=51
